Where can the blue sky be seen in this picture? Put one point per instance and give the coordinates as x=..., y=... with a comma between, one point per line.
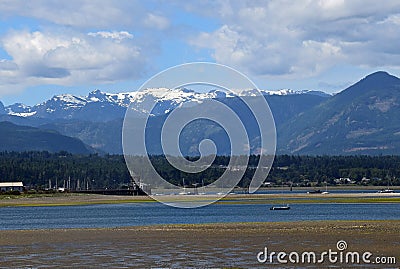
x=53, y=47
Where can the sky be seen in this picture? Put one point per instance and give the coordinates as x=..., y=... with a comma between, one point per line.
x=50, y=47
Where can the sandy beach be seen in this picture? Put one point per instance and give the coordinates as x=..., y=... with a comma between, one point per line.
x=234, y=245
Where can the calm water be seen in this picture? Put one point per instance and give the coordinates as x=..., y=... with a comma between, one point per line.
x=237, y=252
x=120, y=215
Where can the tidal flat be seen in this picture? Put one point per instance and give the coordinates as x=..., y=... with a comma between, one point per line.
x=229, y=245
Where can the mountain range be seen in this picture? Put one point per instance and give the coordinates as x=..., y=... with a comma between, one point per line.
x=361, y=119
x=102, y=107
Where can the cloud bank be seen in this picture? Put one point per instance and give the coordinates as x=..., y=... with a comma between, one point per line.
x=303, y=38
x=93, y=42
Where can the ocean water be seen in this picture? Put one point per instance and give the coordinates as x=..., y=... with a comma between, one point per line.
x=237, y=251
x=138, y=214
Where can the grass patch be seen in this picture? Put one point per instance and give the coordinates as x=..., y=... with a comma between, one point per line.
x=331, y=200
x=73, y=199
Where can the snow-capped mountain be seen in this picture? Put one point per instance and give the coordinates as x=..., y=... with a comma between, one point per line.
x=20, y=110
x=97, y=118
x=97, y=106
x=361, y=119
x=113, y=105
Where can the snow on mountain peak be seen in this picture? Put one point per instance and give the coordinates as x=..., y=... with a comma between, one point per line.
x=68, y=105
x=280, y=92
x=68, y=99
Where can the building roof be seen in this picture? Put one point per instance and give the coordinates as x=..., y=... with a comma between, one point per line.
x=11, y=184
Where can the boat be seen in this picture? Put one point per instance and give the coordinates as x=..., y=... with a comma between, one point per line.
x=326, y=189
x=319, y=191
x=203, y=192
x=386, y=191
x=282, y=207
x=314, y=192
x=184, y=192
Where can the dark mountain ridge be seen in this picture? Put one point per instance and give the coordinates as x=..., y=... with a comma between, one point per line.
x=25, y=138
x=362, y=119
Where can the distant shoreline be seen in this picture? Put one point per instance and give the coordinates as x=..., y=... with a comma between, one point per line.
x=334, y=187
x=73, y=199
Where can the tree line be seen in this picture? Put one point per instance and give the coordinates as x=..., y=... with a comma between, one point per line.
x=39, y=170
x=42, y=170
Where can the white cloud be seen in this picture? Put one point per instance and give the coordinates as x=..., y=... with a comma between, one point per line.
x=77, y=13
x=7, y=65
x=72, y=58
x=156, y=21
x=86, y=14
x=113, y=35
x=86, y=42
x=303, y=38
x=79, y=42
x=392, y=19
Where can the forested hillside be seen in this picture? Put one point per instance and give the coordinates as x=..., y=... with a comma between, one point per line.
x=36, y=169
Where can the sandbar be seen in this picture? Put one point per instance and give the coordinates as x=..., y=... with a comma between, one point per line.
x=231, y=245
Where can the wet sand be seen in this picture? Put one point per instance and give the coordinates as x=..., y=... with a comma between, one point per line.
x=233, y=245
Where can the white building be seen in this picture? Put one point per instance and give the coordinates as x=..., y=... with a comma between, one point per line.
x=11, y=186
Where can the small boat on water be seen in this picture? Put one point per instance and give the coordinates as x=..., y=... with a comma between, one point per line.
x=282, y=207
x=326, y=189
x=386, y=191
x=314, y=192
x=184, y=192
